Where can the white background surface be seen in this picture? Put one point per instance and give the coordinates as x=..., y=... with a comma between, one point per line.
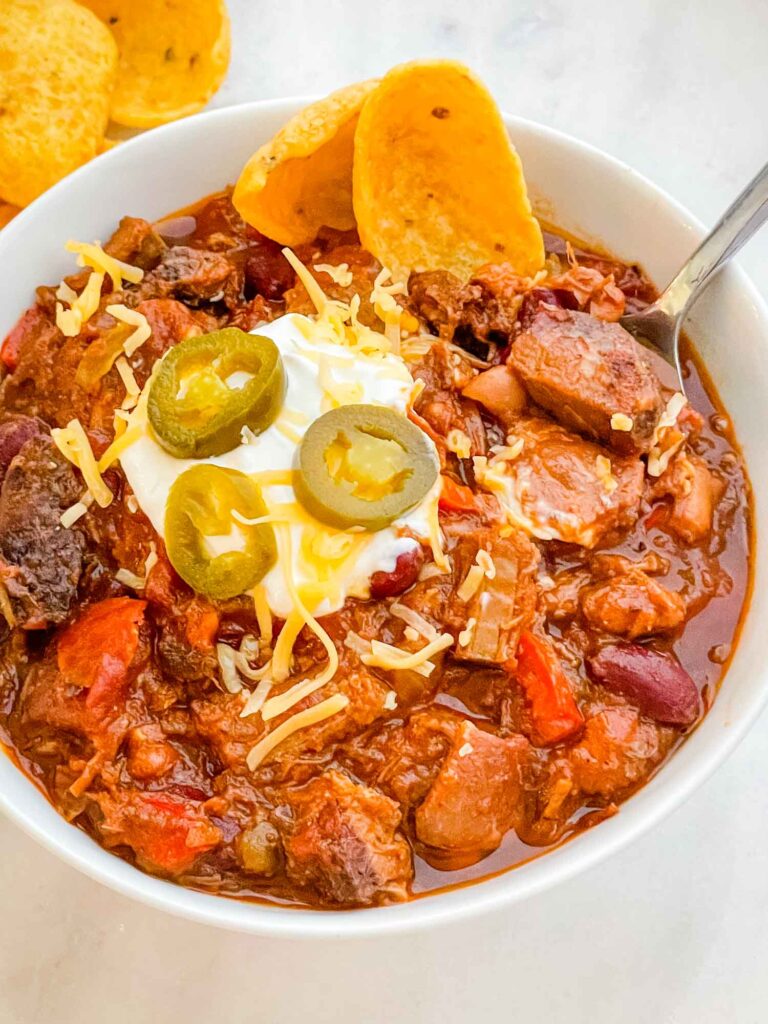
x=671, y=930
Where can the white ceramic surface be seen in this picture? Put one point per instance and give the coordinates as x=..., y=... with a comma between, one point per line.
x=585, y=192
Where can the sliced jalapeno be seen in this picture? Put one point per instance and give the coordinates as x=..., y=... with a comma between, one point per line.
x=363, y=465
x=209, y=387
x=216, y=555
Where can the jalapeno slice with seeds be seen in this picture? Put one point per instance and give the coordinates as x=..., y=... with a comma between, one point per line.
x=211, y=551
x=363, y=465
x=211, y=386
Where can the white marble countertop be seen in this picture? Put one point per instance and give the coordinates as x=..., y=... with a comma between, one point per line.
x=672, y=930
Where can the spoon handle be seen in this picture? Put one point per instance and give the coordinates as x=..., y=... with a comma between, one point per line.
x=737, y=225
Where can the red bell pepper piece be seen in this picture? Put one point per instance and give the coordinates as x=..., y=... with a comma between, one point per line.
x=9, y=350
x=455, y=497
x=554, y=711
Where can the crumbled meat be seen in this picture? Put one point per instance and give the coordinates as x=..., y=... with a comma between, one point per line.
x=475, y=799
x=591, y=376
x=40, y=561
x=560, y=487
x=343, y=842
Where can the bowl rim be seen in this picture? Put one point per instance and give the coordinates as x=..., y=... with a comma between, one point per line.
x=461, y=902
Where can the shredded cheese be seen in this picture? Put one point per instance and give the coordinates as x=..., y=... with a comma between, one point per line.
x=310, y=716
x=82, y=306
x=92, y=255
x=620, y=421
x=484, y=560
x=71, y=515
x=416, y=621
x=471, y=583
x=666, y=440
x=135, y=319
x=255, y=700
x=263, y=614
x=388, y=657
x=130, y=579
x=483, y=568
x=132, y=389
x=459, y=443
x=340, y=275
x=5, y=606
x=285, y=701
x=73, y=443
x=465, y=636
x=605, y=475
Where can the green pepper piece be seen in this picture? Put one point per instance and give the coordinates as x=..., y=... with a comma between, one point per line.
x=211, y=551
x=363, y=465
x=196, y=408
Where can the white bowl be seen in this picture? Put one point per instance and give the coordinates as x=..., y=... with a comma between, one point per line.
x=581, y=190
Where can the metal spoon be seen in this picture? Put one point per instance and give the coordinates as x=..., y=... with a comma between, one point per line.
x=661, y=322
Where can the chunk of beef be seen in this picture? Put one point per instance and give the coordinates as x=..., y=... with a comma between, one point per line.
x=619, y=750
x=561, y=487
x=443, y=373
x=695, y=491
x=475, y=799
x=44, y=366
x=217, y=721
x=403, y=758
x=150, y=755
x=136, y=242
x=171, y=322
x=166, y=833
x=585, y=372
x=483, y=310
x=194, y=276
x=15, y=431
x=40, y=561
x=504, y=602
x=343, y=843
x=632, y=604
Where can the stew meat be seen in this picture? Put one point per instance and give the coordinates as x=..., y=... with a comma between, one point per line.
x=577, y=668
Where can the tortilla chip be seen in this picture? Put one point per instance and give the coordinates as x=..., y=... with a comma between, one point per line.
x=7, y=212
x=437, y=182
x=174, y=55
x=301, y=180
x=57, y=69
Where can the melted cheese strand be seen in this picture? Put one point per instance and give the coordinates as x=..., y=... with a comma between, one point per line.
x=386, y=656
x=310, y=716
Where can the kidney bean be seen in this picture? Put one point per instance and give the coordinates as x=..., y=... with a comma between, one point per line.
x=403, y=576
x=14, y=434
x=655, y=683
x=267, y=271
